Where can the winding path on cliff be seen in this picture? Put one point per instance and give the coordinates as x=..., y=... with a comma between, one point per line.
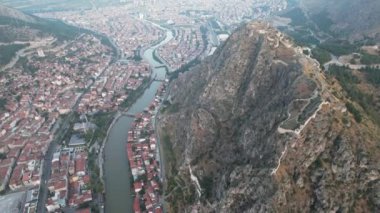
x=319, y=79
x=296, y=131
x=339, y=62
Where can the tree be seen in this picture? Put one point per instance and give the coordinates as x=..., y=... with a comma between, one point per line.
x=3, y=156
x=88, y=136
x=351, y=108
x=321, y=55
x=372, y=75
x=3, y=102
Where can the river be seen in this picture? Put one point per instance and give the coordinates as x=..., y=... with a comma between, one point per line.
x=116, y=168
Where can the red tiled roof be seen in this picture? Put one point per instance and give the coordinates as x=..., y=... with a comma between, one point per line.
x=158, y=210
x=86, y=179
x=87, y=196
x=6, y=162
x=60, y=185
x=136, y=205
x=3, y=173
x=87, y=210
x=137, y=185
x=26, y=176
x=80, y=165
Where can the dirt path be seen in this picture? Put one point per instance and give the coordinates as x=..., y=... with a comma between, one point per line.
x=283, y=130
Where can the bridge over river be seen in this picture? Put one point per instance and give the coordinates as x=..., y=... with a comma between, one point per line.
x=119, y=197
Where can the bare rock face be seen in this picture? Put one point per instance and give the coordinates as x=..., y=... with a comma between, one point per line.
x=258, y=130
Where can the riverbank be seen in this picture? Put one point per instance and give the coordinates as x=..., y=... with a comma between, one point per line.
x=117, y=116
x=144, y=159
x=135, y=94
x=101, y=152
x=129, y=101
x=116, y=169
x=157, y=57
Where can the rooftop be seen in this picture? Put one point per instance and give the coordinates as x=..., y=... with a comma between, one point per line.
x=76, y=140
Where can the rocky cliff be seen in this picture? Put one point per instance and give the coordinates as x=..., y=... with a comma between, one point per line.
x=257, y=128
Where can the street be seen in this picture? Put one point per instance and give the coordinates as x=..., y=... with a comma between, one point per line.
x=59, y=136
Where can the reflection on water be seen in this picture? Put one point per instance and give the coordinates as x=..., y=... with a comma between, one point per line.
x=118, y=192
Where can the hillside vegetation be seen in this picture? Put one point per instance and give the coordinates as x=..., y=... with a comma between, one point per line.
x=7, y=52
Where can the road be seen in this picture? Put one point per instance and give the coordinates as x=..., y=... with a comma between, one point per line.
x=337, y=61
x=160, y=148
x=162, y=163
x=213, y=37
x=43, y=191
x=155, y=120
x=59, y=136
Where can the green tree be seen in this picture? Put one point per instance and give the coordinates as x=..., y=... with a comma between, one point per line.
x=351, y=108
x=3, y=102
x=321, y=55
x=3, y=156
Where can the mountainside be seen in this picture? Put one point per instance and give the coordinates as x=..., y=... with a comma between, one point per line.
x=21, y=32
x=56, y=5
x=350, y=19
x=18, y=26
x=15, y=14
x=258, y=128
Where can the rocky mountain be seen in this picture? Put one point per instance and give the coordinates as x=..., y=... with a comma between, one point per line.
x=257, y=127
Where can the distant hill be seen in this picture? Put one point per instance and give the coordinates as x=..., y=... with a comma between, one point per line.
x=15, y=14
x=348, y=19
x=18, y=26
x=35, y=6
x=19, y=29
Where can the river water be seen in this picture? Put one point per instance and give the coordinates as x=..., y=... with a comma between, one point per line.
x=116, y=168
